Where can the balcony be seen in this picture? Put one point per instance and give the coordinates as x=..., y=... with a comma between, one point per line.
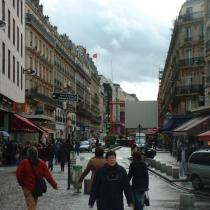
x=33, y=94
x=190, y=17
x=30, y=19
x=189, y=89
x=83, y=110
x=196, y=61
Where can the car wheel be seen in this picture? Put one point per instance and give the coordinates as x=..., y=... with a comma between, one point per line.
x=197, y=183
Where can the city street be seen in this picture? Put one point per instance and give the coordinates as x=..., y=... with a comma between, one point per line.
x=162, y=195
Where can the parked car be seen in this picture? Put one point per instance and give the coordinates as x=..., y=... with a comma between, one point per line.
x=198, y=168
x=85, y=146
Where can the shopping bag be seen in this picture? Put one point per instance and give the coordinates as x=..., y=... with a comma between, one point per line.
x=146, y=199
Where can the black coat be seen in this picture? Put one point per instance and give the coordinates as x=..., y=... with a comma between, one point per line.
x=108, y=186
x=138, y=172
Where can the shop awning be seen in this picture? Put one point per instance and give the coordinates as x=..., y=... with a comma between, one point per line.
x=204, y=136
x=191, y=124
x=174, y=122
x=21, y=124
x=48, y=130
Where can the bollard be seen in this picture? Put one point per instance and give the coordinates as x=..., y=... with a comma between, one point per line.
x=163, y=167
x=77, y=171
x=153, y=163
x=187, y=202
x=168, y=170
x=175, y=173
x=157, y=166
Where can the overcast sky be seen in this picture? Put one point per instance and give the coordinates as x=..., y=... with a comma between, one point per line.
x=130, y=37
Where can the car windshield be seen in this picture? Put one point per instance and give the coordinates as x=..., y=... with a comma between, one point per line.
x=84, y=143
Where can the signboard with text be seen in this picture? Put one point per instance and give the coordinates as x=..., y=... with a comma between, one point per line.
x=65, y=97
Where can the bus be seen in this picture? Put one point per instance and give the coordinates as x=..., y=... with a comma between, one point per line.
x=140, y=140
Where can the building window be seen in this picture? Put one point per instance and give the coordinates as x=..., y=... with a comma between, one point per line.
x=14, y=4
x=13, y=31
x=36, y=42
x=17, y=73
x=9, y=60
x=3, y=10
x=208, y=33
x=18, y=39
x=188, y=34
x=3, y=57
x=31, y=63
x=21, y=80
x=14, y=69
x=9, y=30
x=21, y=45
x=18, y=2
x=31, y=39
x=208, y=69
x=21, y=12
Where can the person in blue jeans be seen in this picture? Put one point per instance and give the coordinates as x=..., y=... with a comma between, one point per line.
x=138, y=172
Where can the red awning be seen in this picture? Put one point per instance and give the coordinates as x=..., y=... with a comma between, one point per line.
x=22, y=124
x=204, y=136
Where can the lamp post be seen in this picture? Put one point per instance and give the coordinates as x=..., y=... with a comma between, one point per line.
x=29, y=71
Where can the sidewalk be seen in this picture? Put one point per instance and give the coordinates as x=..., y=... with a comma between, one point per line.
x=168, y=159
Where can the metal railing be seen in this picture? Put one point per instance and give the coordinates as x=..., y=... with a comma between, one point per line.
x=192, y=61
x=30, y=19
x=191, y=16
x=189, y=89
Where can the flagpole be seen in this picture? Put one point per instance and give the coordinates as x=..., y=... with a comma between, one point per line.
x=111, y=71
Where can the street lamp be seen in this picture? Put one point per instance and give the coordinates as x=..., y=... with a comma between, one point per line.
x=29, y=71
x=2, y=24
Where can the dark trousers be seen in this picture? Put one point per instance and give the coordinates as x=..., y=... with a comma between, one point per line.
x=62, y=165
x=50, y=164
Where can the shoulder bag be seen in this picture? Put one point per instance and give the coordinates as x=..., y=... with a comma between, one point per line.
x=40, y=185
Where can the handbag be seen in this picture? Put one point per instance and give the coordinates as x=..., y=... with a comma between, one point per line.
x=146, y=199
x=40, y=185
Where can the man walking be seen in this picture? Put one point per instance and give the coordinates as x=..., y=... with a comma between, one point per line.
x=108, y=186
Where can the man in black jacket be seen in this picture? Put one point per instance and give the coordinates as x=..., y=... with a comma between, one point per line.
x=108, y=186
x=138, y=172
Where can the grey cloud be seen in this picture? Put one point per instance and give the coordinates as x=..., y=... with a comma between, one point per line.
x=136, y=45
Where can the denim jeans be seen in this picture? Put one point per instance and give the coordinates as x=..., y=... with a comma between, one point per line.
x=50, y=164
x=138, y=200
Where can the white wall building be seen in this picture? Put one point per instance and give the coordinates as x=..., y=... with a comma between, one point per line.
x=12, y=50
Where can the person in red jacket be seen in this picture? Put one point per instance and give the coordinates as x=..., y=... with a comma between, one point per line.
x=26, y=178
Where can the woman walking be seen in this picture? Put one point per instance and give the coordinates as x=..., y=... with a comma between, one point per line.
x=138, y=172
x=27, y=172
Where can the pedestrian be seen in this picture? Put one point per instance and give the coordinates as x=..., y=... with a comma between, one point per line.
x=26, y=178
x=50, y=155
x=97, y=142
x=108, y=186
x=138, y=172
x=77, y=147
x=94, y=164
x=63, y=156
x=182, y=158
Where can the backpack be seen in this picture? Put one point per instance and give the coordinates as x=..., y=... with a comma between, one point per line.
x=40, y=185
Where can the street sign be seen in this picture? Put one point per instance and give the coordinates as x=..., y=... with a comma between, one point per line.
x=65, y=97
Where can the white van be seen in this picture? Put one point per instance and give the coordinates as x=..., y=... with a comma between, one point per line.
x=198, y=168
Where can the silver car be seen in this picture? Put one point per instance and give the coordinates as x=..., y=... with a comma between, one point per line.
x=198, y=168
